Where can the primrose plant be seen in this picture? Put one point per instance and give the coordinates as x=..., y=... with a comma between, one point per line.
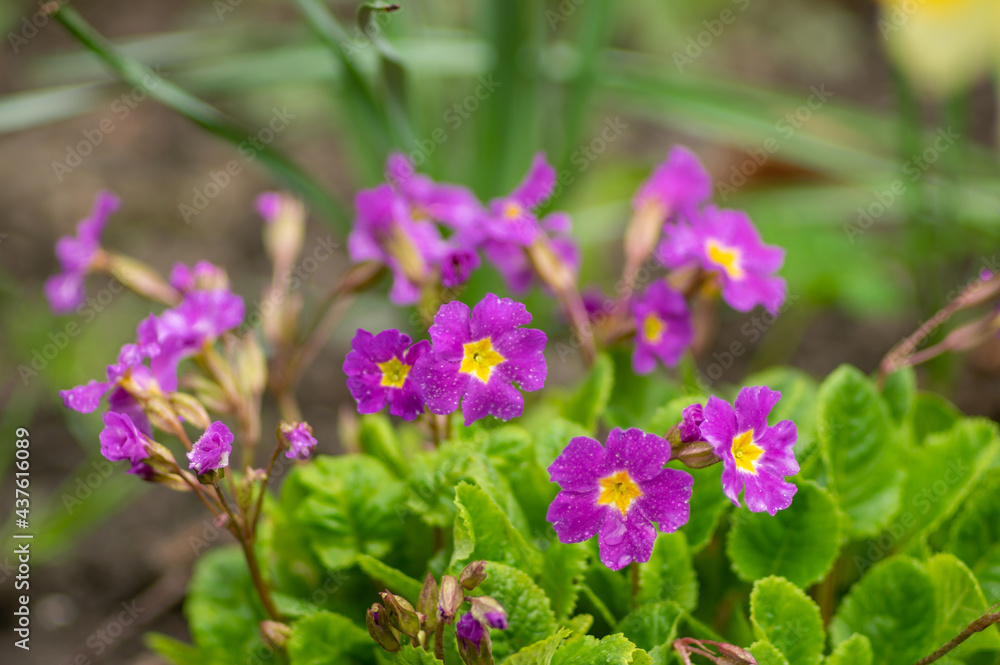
x=492, y=485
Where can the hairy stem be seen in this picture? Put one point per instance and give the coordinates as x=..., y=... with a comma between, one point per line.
x=982, y=623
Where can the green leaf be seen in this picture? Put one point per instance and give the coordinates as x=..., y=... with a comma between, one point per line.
x=669, y=575
x=799, y=543
x=388, y=577
x=222, y=608
x=326, y=638
x=900, y=393
x=855, y=650
x=591, y=398
x=708, y=505
x=378, y=439
x=894, y=606
x=610, y=650
x=767, y=654
x=540, y=653
x=787, y=618
x=529, y=613
x=563, y=567
x=860, y=451
x=975, y=535
x=174, y=651
x=553, y=439
x=799, y=402
x=932, y=413
x=942, y=472
x=410, y=655
x=651, y=625
x=483, y=531
x=960, y=602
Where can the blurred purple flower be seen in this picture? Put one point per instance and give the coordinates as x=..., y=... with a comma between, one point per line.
x=663, y=327
x=211, y=451
x=379, y=371
x=121, y=439
x=452, y=205
x=301, y=441
x=512, y=218
x=677, y=186
x=204, y=276
x=691, y=419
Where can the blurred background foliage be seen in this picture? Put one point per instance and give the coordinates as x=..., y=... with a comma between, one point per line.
x=861, y=136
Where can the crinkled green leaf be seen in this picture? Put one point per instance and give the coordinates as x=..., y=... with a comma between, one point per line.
x=960, y=601
x=785, y=616
x=987, y=572
x=855, y=650
x=651, y=625
x=610, y=650
x=975, y=534
x=591, y=398
x=563, y=568
x=900, y=393
x=539, y=653
x=860, y=450
x=326, y=638
x=529, y=613
x=579, y=623
x=388, y=577
x=799, y=543
x=552, y=439
x=708, y=505
x=799, y=402
x=669, y=575
x=931, y=414
x=378, y=439
x=767, y=654
x=894, y=606
x=483, y=531
x=409, y=655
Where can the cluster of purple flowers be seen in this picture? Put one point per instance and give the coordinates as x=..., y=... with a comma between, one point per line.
x=420, y=229
x=474, y=358
x=621, y=490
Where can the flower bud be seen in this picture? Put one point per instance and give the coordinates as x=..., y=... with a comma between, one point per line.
x=698, y=455
x=284, y=229
x=210, y=394
x=734, y=655
x=139, y=277
x=450, y=598
x=641, y=235
x=489, y=611
x=427, y=602
x=190, y=409
x=401, y=614
x=275, y=634
x=473, y=575
x=474, y=645
x=251, y=365
x=379, y=629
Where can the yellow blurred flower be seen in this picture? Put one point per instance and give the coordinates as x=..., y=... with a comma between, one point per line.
x=944, y=45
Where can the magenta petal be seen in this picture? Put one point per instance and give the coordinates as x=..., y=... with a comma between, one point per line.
x=65, y=291
x=368, y=392
x=537, y=185
x=575, y=516
x=405, y=403
x=642, y=455
x=752, y=406
x=719, y=426
x=440, y=382
x=732, y=480
x=525, y=362
x=493, y=316
x=665, y=499
x=451, y=330
x=767, y=494
x=86, y=398
x=579, y=466
x=624, y=540
x=495, y=398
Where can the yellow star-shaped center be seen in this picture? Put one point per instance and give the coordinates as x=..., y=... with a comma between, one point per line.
x=653, y=328
x=745, y=452
x=480, y=359
x=729, y=259
x=394, y=373
x=620, y=490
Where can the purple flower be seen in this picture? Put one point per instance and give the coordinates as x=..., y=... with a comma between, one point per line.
x=513, y=263
x=756, y=458
x=618, y=492
x=87, y=397
x=452, y=205
x=677, y=187
x=457, y=265
x=477, y=362
x=691, y=419
x=181, y=331
x=663, y=327
x=203, y=276
x=268, y=205
x=379, y=371
x=212, y=450
x=120, y=401
x=512, y=218
x=65, y=290
x=121, y=439
x=469, y=629
x=300, y=440
x=726, y=243
x=385, y=232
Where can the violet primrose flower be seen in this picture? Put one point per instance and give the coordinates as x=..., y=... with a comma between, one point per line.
x=452, y=205
x=618, y=492
x=691, y=419
x=478, y=361
x=676, y=187
x=65, y=290
x=755, y=457
x=663, y=327
x=204, y=276
x=300, y=440
x=469, y=629
x=512, y=218
x=211, y=451
x=512, y=262
x=727, y=243
x=379, y=370
x=121, y=440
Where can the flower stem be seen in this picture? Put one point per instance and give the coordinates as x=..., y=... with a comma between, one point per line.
x=254, y=516
x=635, y=583
x=980, y=624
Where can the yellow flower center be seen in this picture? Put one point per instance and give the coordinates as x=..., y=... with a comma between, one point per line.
x=619, y=490
x=512, y=210
x=745, y=452
x=728, y=257
x=653, y=328
x=394, y=373
x=480, y=359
